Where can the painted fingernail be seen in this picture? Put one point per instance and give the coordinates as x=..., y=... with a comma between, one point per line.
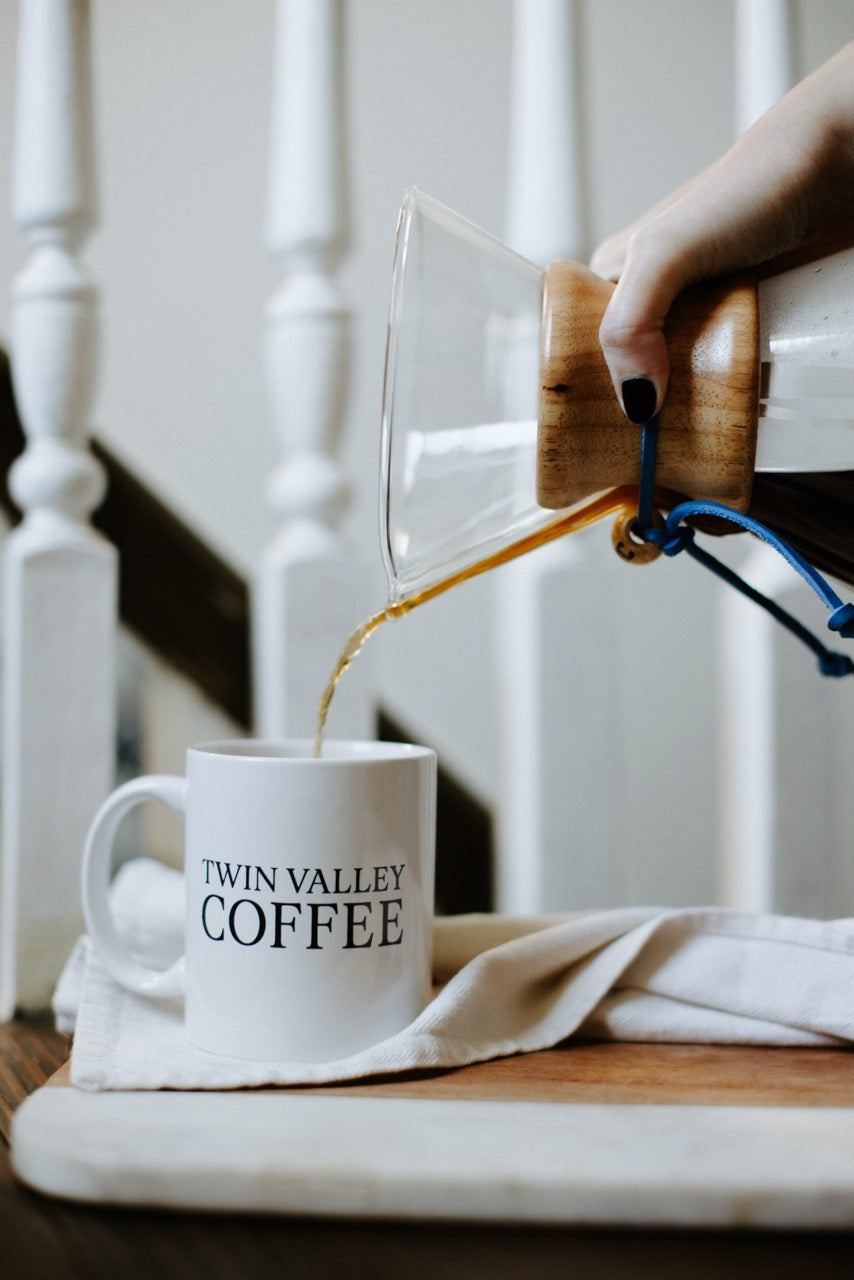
x=639, y=397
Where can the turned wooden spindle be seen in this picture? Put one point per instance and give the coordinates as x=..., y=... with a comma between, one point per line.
x=60, y=575
x=707, y=433
x=309, y=589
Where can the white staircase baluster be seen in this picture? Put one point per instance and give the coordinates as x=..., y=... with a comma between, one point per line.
x=308, y=594
x=788, y=750
x=60, y=575
x=597, y=693
x=763, y=62
x=545, y=216
x=751, y=645
x=546, y=204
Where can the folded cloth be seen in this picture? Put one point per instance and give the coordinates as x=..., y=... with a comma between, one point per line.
x=511, y=985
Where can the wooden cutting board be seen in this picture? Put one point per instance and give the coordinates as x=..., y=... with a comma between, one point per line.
x=621, y=1134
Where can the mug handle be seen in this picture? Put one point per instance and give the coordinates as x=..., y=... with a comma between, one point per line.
x=97, y=862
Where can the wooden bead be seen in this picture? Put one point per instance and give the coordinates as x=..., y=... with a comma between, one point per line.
x=627, y=546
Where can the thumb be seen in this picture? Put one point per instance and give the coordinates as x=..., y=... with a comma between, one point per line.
x=632, y=330
x=632, y=340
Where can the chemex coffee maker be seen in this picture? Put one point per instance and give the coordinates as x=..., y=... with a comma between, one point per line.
x=501, y=428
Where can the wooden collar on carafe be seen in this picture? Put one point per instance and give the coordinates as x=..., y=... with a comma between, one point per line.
x=707, y=431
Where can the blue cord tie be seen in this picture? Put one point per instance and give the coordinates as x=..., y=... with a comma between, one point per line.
x=842, y=620
x=675, y=536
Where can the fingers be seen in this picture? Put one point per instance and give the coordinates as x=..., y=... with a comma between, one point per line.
x=631, y=333
x=784, y=183
x=609, y=259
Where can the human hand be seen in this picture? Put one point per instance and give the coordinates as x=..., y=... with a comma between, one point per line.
x=787, y=184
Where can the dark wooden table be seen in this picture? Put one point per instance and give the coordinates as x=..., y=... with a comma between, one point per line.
x=41, y=1237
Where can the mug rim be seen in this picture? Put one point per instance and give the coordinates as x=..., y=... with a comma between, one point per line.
x=300, y=751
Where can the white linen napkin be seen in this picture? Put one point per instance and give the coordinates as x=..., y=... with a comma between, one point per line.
x=511, y=985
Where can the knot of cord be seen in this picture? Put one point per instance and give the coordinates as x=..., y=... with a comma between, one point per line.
x=842, y=620
x=671, y=539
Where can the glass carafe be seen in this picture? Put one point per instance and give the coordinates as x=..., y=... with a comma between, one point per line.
x=459, y=437
x=500, y=422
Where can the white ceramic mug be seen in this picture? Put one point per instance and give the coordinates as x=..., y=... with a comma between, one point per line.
x=309, y=895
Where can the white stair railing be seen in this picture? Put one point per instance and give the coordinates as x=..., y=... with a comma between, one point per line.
x=603, y=666
x=545, y=220
x=309, y=594
x=546, y=196
x=777, y=816
x=763, y=57
x=60, y=575
x=787, y=733
x=788, y=750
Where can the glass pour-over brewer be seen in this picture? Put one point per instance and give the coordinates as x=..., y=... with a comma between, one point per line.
x=500, y=424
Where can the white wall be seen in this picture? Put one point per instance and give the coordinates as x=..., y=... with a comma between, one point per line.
x=182, y=93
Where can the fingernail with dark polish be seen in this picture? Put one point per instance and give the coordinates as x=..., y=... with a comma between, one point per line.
x=639, y=397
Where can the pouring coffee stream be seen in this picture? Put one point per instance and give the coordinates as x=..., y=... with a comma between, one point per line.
x=501, y=430
x=605, y=505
